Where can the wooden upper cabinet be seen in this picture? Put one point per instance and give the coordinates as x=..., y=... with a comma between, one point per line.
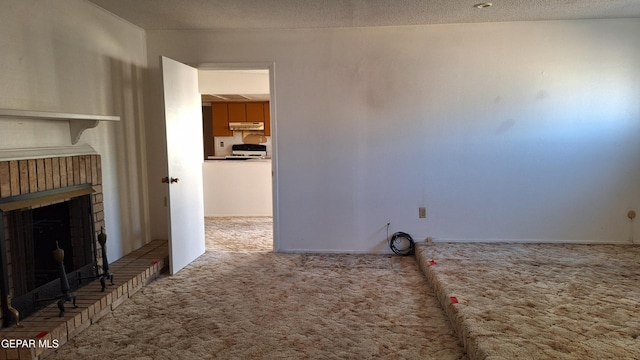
x=267, y=119
x=225, y=112
x=237, y=112
x=255, y=112
x=220, y=119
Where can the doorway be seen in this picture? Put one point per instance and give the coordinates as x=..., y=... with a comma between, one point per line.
x=238, y=193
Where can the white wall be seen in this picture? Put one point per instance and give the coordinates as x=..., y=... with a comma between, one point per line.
x=237, y=188
x=503, y=131
x=70, y=56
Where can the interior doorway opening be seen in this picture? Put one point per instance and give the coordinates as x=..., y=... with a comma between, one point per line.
x=238, y=114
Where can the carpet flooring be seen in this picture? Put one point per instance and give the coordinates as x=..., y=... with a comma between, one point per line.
x=539, y=301
x=240, y=300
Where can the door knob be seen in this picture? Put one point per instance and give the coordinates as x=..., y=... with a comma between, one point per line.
x=168, y=180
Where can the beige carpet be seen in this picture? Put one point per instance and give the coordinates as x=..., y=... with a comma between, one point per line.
x=539, y=301
x=242, y=301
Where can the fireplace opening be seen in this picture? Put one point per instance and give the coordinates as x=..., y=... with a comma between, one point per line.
x=50, y=226
x=34, y=233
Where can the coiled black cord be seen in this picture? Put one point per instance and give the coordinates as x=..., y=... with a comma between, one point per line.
x=392, y=243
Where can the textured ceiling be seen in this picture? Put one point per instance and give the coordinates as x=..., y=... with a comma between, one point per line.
x=291, y=14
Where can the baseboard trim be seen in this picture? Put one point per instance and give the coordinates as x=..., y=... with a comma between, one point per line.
x=539, y=241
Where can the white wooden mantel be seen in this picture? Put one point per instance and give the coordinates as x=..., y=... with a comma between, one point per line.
x=78, y=123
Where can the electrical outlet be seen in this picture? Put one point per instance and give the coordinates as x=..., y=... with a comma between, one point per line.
x=422, y=213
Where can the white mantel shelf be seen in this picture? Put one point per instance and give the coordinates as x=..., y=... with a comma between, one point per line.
x=78, y=123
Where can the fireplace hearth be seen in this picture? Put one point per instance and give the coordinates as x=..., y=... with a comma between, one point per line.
x=48, y=204
x=35, y=183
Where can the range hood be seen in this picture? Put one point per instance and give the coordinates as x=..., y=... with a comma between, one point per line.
x=258, y=125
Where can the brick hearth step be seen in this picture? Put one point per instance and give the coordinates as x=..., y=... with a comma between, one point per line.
x=43, y=332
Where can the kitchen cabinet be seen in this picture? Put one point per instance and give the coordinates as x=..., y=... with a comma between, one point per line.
x=225, y=112
x=267, y=119
x=220, y=119
x=207, y=131
x=237, y=112
x=255, y=112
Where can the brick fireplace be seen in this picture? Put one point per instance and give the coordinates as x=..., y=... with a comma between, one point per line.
x=55, y=187
x=36, y=181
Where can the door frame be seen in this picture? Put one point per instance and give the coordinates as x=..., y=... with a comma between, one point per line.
x=270, y=66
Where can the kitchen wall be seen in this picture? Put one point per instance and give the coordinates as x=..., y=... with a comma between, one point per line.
x=223, y=144
x=503, y=131
x=72, y=57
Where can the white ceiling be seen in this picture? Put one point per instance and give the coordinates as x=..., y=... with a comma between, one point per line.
x=292, y=14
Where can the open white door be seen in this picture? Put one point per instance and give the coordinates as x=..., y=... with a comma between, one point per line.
x=183, y=117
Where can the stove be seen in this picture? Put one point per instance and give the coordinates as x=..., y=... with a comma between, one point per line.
x=247, y=151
